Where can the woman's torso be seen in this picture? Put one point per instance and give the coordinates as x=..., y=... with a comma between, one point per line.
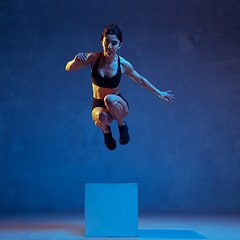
x=105, y=78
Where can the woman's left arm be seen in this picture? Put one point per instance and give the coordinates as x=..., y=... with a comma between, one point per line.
x=167, y=96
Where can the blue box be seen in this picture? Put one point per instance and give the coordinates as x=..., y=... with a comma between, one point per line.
x=111, y=210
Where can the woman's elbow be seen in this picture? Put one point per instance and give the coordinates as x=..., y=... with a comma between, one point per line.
x=141, y=81
x=68, y=68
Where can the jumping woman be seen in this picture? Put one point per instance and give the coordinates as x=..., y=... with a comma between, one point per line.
x=107, y=69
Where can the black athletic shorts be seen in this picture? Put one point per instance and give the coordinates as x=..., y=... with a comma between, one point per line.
x=100, y=102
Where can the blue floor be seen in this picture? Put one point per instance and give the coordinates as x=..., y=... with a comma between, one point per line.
x=158, y=225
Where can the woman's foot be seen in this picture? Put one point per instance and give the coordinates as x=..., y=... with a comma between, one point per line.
x=109, y=140
x=124, y=136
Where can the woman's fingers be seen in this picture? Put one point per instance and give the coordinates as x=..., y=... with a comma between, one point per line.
x=167, y=96
x=170, y=96
x=82, y=57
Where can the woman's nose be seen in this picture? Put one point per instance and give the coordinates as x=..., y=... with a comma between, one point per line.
x=109, y=45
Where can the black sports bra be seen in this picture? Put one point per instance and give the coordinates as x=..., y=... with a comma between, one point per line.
x=106, y=82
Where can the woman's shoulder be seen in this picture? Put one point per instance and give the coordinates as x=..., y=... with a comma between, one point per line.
x=125, y=64
x=92, y=57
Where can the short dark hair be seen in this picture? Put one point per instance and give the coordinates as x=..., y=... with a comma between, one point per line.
x=112, y=29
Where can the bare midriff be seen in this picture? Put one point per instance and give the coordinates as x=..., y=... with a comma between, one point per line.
x=100, y=92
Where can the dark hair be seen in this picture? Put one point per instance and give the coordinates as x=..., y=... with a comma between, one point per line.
x=112, y=29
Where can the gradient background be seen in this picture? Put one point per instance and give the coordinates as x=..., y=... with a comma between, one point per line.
x=185, y=155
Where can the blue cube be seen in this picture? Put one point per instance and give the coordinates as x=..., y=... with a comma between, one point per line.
x=111, y=210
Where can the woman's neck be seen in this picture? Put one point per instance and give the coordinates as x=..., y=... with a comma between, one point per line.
x=108, y=60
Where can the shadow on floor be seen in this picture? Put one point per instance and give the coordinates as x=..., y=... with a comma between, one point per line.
x=179, y=234
x=75, y=230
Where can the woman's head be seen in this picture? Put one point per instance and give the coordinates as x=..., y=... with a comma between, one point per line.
x=111, y=40
x=112, y=30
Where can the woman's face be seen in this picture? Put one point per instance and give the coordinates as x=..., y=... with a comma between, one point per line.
x=110, y=44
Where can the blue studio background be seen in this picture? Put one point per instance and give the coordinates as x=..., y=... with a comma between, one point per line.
x=184, y=155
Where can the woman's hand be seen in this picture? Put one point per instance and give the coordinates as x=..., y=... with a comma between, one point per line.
x=79, y=61
x=81, y=57
x=166, y=96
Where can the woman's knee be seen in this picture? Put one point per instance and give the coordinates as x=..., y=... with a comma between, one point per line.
x=111, y=102
x=108, y=100
x=101, y=116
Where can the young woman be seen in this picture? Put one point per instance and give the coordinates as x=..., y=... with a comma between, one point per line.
x=107, y=69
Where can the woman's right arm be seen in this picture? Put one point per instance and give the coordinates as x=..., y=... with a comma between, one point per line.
x=81, y=60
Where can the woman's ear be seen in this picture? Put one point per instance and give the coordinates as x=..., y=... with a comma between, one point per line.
x=120, y=45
